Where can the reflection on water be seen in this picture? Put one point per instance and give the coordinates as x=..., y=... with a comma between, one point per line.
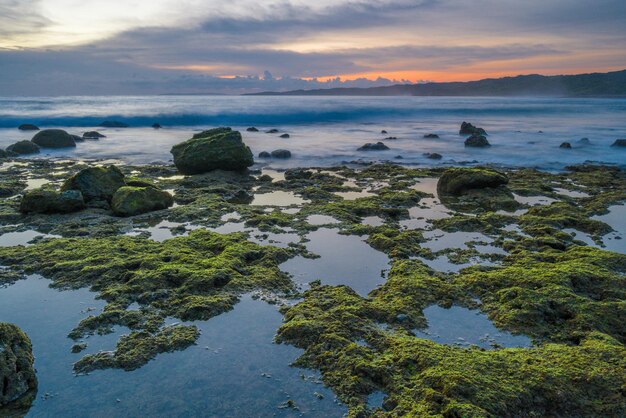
x=11, y=239
x=235, y=370
x=321, y=220
x=465, y=327
x=277, y=198
x=615, y=241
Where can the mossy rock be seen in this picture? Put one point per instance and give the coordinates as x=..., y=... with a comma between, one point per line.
x=17, y=375
x=477, y=141
x=54, y=138
x=130, y=201
x=220, y=148
x=96, y=183
x=456, y=181
x=23, y=148
x=45, y=200
x=4, y=154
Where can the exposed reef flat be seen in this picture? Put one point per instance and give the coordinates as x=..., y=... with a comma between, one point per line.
x=528, y=252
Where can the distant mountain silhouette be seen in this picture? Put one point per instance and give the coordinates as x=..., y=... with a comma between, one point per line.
x=611, y=84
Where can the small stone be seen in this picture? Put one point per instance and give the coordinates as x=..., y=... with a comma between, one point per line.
x=281, y=153
x=285, y=136
x=431, y=136
x=264, y=154
x=565, y=145
x=252, y=129
x=272, y=131
x=378, y=146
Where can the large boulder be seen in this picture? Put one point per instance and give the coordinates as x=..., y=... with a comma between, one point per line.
x=17, y=375
x=456, y=181
x=28, y=127
x=619, y=143
x=54, y=138
x=96, y=183
x=45, y=200
x=469, y=129
x=281, y=153
x=477, y=141
x=220, y=148
x=93, y=135
x=130, y=200
x=23, y=148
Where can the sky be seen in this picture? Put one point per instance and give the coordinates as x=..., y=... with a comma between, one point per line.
x=71, y=47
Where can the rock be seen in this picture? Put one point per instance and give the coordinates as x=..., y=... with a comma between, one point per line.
x=469, y=129
x=619, y=143
x=584, y=141
x=77, y=138
x=565, y=145
x=391, y=138
x=220, y=148
x=28, y=127
x=264, y=154
x=131, y=201
x=93, y=135
x=4, y=154
x=399, y=157
x=272, y=131
x=281, y=153
x=17, y=375
x=156, y=126
x=23, y=148
x=54, y=138
x=431, y=136
x=96, y=183
x=252, y=129
x=458, y=180
x=78, y=347
x=114, y=124
x=45, y=200
x=477, y=141
x=433, y=156
x=379, y=146
x=137, y=182
x=384, y=132
x=285, y=136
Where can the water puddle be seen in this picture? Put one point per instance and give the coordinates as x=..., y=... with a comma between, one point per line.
x=615, y=241
x=234, y=370
x=439, y=240
x=571, y=193
x=344, y=259
x=373, y=221
x=534, y=200
x=12, y=239
x=465, y=327
x=321, y=220
x=278, y=198
x=375, y=400
x=36, y=183
x=354, y=195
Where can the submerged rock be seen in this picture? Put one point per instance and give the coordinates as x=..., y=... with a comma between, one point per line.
x=566, y=145
x=285, y=136
x=4, y=154
x=130, y=200
x=477, y=141
x=28, y=127
x=264, y=154
x=77, y=138
x=619, y=143
x=93, y=135
x=433, y=156
x=431, y=136
x=114, y=124
x=23, y=148
x=54, y=138
x=584, y=141
x=252, y=129
x=469, y=129
x=272, y=131
x=378, y=146
x=156, y=126
x=45, y=200
x=220, y=148
x=281, y=153
x=96, y=183
x=458, y=180
x=17, y=375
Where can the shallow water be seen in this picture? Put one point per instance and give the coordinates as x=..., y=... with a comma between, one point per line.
x=465, y=327
x=362, y=273
x=277, y=198
x=615, y=241
x=327, y=130
x=234, y=370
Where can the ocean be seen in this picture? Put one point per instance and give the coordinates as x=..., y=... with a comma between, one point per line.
x=325, y=131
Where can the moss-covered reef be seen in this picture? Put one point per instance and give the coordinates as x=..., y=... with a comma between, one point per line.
x=193, y=277
x=18, y=382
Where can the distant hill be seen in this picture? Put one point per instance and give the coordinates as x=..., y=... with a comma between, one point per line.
x=611, y=84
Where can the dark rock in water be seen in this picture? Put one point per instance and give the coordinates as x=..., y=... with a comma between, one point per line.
x=458, y=180
x=433, y=156
x=584, y=141
x=45, y=200
x=264, y=154
x=130, y=201
x=77, y=138
x=477, y=141
x=28, y=127
x=469, y=129
x=220, y=148
x=379, y=146
x=565, y=145
x=114, y=124
x=391, y=138
x=281, y=153
x=539, y=132
x=619, y=143
x=23, y=148
x=96, y=183
x=285, y=136
x=431, y=136
x=156, y=126
x=272, y=131
x=54, y=138
x=4, y=154
x=93, y=135
x=17, y=374
x=77, y=348
x=399, y=157
x=383, y=132
x=252, y=129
